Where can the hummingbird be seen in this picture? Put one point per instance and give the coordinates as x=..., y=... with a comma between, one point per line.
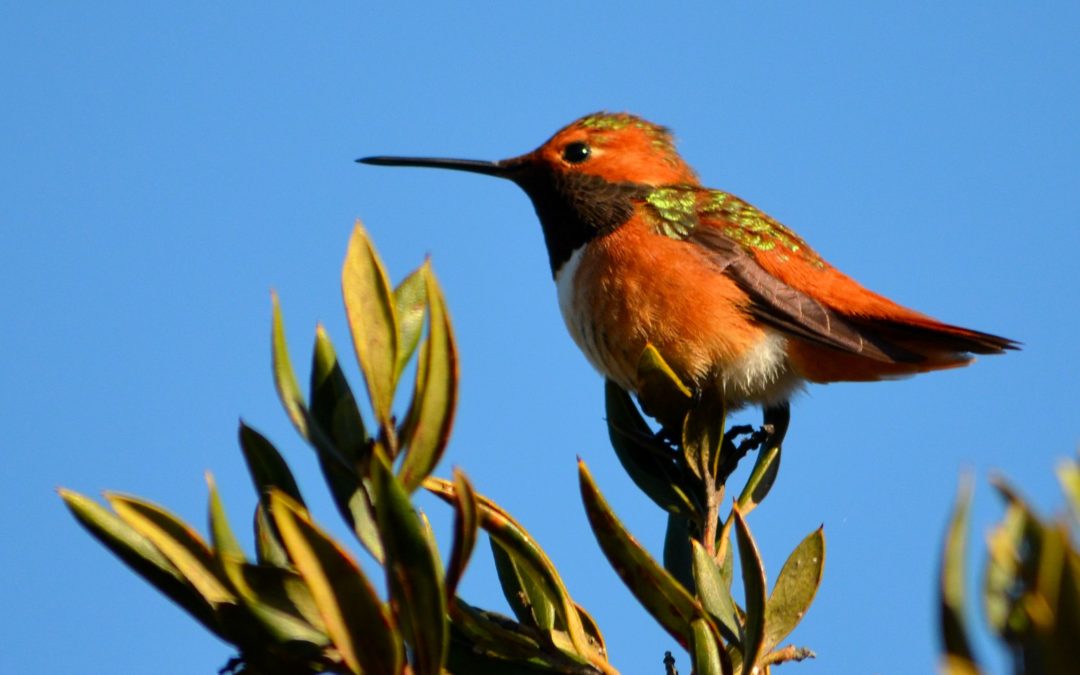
x=736, y=303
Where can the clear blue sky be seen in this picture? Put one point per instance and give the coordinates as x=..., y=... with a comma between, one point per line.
x=164, y=167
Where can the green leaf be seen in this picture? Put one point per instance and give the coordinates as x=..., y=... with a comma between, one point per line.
x=677, y=558
x=659, y=592
x=516, y=541
x=1003, y=567
x=648, y=461
x=269, y=548
x=413, y=574
x=703, y=437
x=266, y=466
x=705, y=650
x=359, y=625
x=524, y=592
x=410, y=301
x=431, y=414
x=715, y=595
x=369, y=305
x=753, y=577
x=662, y=394
x=284, y=376
x=466, y=527
x=795, y=588
x=958, y=655
x=139, y=553
x=267, y=600
x=184, y=548
x=221, y=534
x=1069, y=475
x=333, y=409
x=761, y=479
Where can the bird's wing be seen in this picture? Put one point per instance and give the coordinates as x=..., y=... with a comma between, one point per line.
x=794, y=290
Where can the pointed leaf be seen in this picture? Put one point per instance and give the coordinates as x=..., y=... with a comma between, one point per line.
x=1069, y=476
x=414, y=575
x=516, y=541
x=525, y=593
x=333, y=410
x=958, y=653
x=269, y=548
x=431, y=414
x=359, y=625
x=660, y=594
x=410, y=300
x=677, y=557
x=649, y=462
x=795, y=588
x=703, y=437
x=270, y=605
x=761, y=479
x=369, y=304
x=662, y=394
x=139, y=553
x=466, y=527
x=284, y=376
x=715, y=596
x=705, y=650
x=184, y=548
x=265, y=464
x=753, y=577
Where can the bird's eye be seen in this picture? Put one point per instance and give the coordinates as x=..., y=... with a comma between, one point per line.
x=575, y=153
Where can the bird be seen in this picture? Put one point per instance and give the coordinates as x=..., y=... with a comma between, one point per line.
x=738, y=305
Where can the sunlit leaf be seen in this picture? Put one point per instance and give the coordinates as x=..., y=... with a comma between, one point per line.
x=761, y=479
x=413, y=573
x=662, y=394
x=705, y=651
x=660, y=594
x=648, y=461
x=795, y=588
x=466, y=526
x=139, y=553
x=753, y=578
x=184, y=548
x=526, y=594
x=703, y=437
x=431, y=414
x=410, y=300
x=369, y=305
x=357, y=622
x=270, y=605
x=221, y=534
x=269, y=549
x=715, y=596
x=284, y=376
x=958, y=653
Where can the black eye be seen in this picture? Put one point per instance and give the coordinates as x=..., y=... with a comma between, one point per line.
x=575, y=153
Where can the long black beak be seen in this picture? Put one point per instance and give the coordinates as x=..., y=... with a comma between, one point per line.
x=503, y=169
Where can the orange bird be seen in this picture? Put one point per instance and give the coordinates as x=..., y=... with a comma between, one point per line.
x=734, y=301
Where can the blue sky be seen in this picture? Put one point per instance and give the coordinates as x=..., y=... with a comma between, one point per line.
x=167, y=166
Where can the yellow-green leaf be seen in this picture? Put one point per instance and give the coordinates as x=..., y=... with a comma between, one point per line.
x=761, y=479
x=431, y=414
x=466, y=526
x=662, y=394
x=795, y=588
x=184, y=548
x=661, y=595
x=267, y=600
x=410, y=300
x=706, y=651
x=358, y=624
x=753, y=577
x=369, y=305
x=413, y=574
x=139, y=553
x=715, y=596
x=284, y=377
x=953, y=608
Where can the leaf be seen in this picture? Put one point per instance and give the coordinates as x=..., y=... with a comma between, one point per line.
x=139, y=553
x=410, y=301
x=761, y=479
x=184, y=548
x=413, y=574
x=359, y=625
x=266, y=466
x=705, y=650
x=369, y=305
x=269, y=603
x=677, y=558
x=284, y=376
x=524, y=592
x=957, y=646
x=269, y=548
x=648, y=461
x=333, y=409
x=715, y=596
x=221, y=534
x=662, y=394
x=431, y=413
x=661, y=595
x=703, y=437
x=753, y=577
x=516, y=541
x=466, y=527
x=795, y=588
x=1069, y=476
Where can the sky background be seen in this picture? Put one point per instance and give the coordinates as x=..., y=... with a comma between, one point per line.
x=166, y=165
